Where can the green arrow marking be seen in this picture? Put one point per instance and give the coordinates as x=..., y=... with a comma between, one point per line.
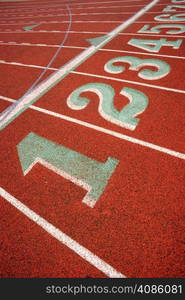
x=96, y=41
x=80, y=169
x=30, y=27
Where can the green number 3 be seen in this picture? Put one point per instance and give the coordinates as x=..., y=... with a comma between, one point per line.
x=136, y=64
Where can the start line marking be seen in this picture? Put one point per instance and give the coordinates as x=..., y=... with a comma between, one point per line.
x=62, y=237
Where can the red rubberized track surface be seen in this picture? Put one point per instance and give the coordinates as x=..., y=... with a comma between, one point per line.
x=137, y=224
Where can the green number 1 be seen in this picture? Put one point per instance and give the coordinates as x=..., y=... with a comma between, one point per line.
x=93, y=176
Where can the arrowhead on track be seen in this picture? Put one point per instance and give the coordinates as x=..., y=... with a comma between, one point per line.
x=30, y=27
x=98, y=40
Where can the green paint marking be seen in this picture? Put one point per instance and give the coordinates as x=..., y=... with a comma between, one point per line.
x=96, y=41
x=136, y=64
x=156, y=29
x=171, y=7
x=170, y=18
x=80, y=169
x=154, y=45
x=124, y=118
x=30, y=27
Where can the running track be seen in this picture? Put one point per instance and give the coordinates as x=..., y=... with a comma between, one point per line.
x=92, y=138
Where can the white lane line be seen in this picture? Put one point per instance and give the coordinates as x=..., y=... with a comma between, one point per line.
x=77, y=8
x=25, y=65
x=9, y=114
x=100, y=76
x=83, y=21
x=104, y=130
x=98, y=32
x=132, y=82
x=4, y=18
x=80, y=14
x=104, y=49
x=71, y=4
x=135, y=52
x=55, y=232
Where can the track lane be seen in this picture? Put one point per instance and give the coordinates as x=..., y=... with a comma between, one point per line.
x=133, y=222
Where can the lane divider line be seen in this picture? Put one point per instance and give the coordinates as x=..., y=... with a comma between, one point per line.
x=84, y=21
x=4, y=17
x=131, y=81
x=92, y=32
x=87, y=8
x=104, y=130
x=25, y=101
x=101, y=76
x=104, y=49
x=63, y=238
x=71, y=4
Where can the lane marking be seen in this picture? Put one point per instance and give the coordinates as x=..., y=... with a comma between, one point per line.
x=96, y=32
x=104, y=49
x=84, y=21
x=104, y=130
x=67, y=163
x=99, y=76
x=150, y=54
x=25, y=65
x=55, y=232
x=131, y=81
x=80, y=14
x=30, y=27
x=9, y=114
x=81, y=8
x=71, y=4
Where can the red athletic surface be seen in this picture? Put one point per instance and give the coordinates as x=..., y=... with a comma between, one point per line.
x=137, y=225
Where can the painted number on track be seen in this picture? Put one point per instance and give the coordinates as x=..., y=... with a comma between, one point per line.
x=180, y=28
x=91, y=175
x=136, y=64
x=154, y=45
x=125, y=118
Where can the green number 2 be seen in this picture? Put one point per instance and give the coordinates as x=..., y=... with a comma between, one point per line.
x=136, y=64
x=91, y=175
x=125, y=118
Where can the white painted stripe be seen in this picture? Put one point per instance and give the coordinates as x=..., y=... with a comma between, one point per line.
x=131, y=81
x=25, y=65
x=71, y=4
x=14, y=110
x=62, y=237
x=135, y=52
x=77, y=8
x=97, y=32
x=83, y=21
x=80, y=14
x=103, y=49
x=104, y=130
x=100, y=76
